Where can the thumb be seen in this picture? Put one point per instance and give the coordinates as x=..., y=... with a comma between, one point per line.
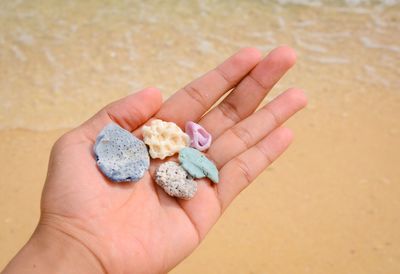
x=129, y=112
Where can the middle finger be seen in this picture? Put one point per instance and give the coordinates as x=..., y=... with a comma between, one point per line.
x=246, y=97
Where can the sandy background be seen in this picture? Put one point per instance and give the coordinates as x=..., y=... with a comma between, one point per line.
x=331, y=204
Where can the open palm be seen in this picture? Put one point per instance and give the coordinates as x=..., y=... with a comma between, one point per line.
x=136, y=227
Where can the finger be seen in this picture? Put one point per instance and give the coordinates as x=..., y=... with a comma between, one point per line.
x=242, y=170
x=192, y=101
x=245, y=98
x=251, y=130
x=129, y=112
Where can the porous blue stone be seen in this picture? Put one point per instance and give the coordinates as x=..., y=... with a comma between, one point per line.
x=120, y=155
x=197, y=165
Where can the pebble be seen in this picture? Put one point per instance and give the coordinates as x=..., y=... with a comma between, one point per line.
x=197, y=165
x=120, y=155
x=200, y=139
x=175, y=180
x=164, y=138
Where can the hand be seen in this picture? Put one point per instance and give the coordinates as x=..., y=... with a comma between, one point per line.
x=137, y=227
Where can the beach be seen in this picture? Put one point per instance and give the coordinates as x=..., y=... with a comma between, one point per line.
x=330, y=204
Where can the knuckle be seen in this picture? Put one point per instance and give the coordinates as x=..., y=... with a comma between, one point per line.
x=274, y=117
x=197, y=95
x=223, y=75
x=244, y=135
x=264, y=152
x=258, y=83
x=230, y=111
x=244, y=169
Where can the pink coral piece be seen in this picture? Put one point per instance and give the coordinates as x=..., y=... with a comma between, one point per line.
x=200, y=139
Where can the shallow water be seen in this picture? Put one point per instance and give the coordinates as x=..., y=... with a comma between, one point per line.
x=329, y=205
x=58, y=56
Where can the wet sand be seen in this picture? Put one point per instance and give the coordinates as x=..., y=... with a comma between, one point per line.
x=329, y=205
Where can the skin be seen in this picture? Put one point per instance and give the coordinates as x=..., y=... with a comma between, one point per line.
x=90, y=225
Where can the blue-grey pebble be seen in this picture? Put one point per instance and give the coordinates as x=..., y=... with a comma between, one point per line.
x=120, y=155
x=198, y=165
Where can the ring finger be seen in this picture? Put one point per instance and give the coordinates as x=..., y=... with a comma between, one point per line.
x=251, y=130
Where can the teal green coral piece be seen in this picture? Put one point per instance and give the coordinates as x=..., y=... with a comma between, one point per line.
x=197, y=165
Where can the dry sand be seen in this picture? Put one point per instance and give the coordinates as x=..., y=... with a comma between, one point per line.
x=331, y=204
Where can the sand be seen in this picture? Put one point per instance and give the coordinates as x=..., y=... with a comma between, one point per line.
x=329, y=205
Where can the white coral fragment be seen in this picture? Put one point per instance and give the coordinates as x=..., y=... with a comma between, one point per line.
x=164, y=138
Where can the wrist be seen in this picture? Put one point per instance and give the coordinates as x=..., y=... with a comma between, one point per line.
x=52, y=251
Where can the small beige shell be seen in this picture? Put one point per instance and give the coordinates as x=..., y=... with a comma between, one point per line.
x=164, y=138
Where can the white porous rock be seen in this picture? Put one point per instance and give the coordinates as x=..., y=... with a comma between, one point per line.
x=175, y=181
x=164, y=138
